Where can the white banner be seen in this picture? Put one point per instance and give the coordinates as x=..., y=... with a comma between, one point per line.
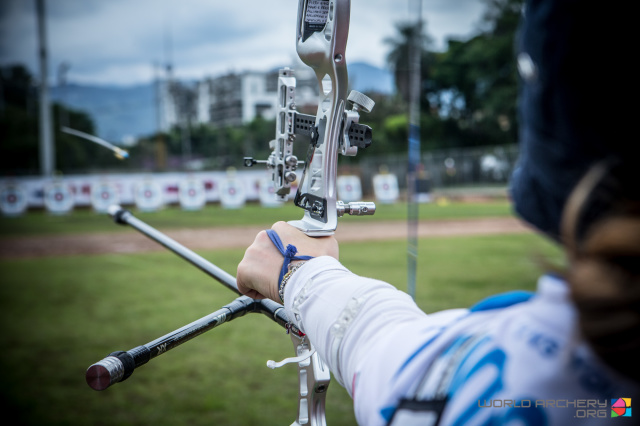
x=81, y=186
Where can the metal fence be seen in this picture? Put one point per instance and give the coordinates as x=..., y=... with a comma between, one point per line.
x=444, y=169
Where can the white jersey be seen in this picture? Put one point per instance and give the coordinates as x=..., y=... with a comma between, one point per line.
x=526, y=362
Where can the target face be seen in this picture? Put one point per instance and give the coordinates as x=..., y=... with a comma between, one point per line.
x=148, y=196
x=192, y=194
x=349, y=188
x=13, y=200
x=103, y=195
x=232, y=194
x=267, y=193
x=386, y=189
x=58, y=198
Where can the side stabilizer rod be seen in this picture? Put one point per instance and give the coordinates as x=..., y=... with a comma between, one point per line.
x=118, y=366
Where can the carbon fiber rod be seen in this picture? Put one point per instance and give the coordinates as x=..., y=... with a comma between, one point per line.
x=118, y=366
x=276, y=312
x=125, y=217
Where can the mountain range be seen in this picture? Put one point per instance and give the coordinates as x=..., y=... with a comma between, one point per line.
x=122, y=113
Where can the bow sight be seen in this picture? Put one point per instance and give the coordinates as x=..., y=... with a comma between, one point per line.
x=322, y=31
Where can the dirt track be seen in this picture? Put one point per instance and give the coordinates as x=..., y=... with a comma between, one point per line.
x=203, y=239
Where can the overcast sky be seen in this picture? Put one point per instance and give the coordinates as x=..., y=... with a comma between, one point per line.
x=122, y=41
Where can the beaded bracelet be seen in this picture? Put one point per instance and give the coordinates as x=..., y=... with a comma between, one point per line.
x=285, y=279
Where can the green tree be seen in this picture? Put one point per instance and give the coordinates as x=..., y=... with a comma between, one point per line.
x=217, y=147
x=476, y=80
x=399, y=56
x=18, y=115
x=74, y=154
x=469, y=91
x=389, y=124
x=19, y=131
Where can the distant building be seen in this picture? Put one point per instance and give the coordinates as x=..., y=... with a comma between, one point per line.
x=225, y=107
x=178, y=104
x=204, y=100
x=232, y=99
x=235, y=99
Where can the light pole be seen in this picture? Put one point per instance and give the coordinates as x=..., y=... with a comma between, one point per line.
x=47, y=145
x=63, y=68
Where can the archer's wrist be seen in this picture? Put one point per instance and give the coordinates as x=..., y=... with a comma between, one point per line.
x=293, y=267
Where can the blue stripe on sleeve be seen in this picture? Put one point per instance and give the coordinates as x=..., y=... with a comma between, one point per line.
x=502, y=300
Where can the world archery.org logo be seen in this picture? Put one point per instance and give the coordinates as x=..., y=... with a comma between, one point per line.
x=621, y=407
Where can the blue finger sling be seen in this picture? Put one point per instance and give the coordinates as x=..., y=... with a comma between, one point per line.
x=289, y=253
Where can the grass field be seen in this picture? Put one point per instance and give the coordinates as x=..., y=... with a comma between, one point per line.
x=83, y=221
x=60, y=314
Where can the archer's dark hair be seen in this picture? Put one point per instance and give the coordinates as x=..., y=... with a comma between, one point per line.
x=601, y=232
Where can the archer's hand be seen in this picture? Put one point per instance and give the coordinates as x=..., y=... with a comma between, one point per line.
x=258, y=271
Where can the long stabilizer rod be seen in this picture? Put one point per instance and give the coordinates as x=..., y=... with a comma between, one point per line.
x=125, y=217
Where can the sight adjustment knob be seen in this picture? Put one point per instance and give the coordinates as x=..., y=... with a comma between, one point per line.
x=361, y=101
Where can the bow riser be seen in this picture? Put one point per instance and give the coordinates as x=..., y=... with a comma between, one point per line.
x=321, y=41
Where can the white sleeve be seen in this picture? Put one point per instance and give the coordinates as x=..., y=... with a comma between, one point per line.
x=378, y=345
x=364, y=329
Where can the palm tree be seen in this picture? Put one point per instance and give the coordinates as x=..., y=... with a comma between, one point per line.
x=399, y=56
